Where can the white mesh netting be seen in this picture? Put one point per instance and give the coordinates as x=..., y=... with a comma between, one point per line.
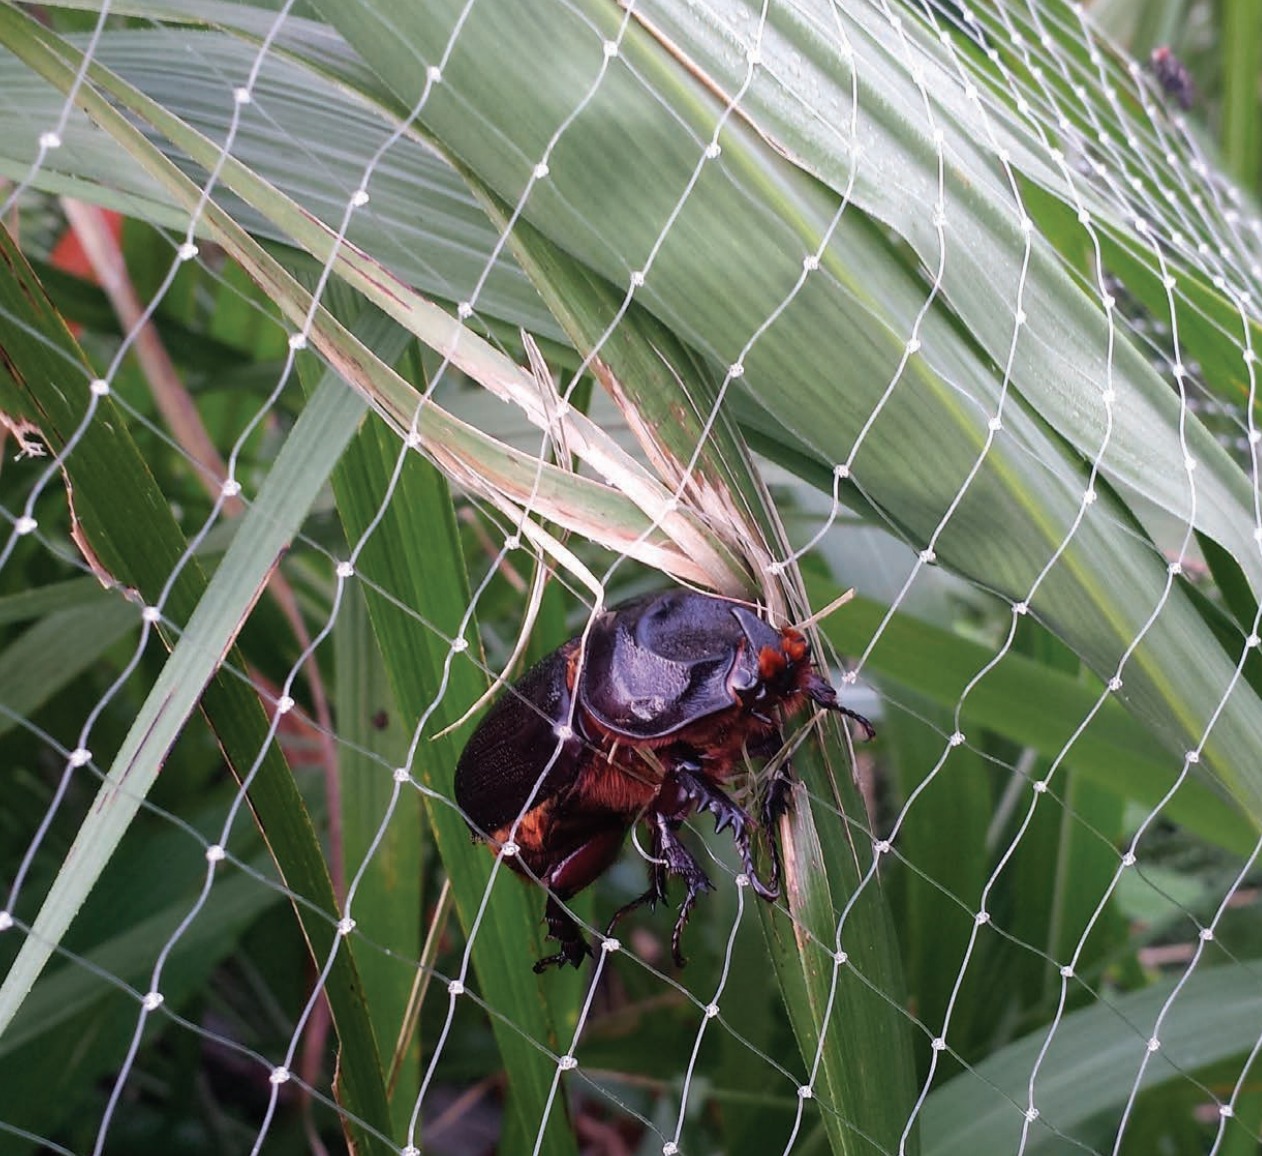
x=356, y=356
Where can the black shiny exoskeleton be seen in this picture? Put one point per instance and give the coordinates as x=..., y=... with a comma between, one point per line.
x=647, y=721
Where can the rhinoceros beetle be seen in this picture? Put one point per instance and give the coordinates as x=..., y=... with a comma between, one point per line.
x=647, y=719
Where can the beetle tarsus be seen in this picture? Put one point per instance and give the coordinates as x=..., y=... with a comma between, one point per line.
x=685, y=910
x=655, y=894
x=571, y=954
x=563, y=928
x=680, y=861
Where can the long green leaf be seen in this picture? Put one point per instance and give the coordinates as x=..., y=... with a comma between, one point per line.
x=57, y=650
x=415, y=558
x=826, y=365
x=647, y=370
x=389, y=881
x=1093, y=1063
x=133, y=536
x=1242, y=109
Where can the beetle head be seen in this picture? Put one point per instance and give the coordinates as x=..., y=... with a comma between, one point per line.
x=775, y=666
x=772, y=663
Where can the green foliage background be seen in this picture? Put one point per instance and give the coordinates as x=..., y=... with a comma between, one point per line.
x=872, y=301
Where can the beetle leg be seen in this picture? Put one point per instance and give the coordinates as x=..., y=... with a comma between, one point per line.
x=656, y=892
x=776, y=802
x=563, y=928
x=670, y=857
x=708, y=797
x=777, y=799
x=568, y=877
x=678, y=860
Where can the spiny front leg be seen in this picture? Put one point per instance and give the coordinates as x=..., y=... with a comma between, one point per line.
x=707, y=797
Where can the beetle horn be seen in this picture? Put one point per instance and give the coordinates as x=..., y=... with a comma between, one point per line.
x=754, y=627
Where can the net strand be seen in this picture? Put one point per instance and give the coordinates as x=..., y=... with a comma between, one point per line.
x=1160, y=217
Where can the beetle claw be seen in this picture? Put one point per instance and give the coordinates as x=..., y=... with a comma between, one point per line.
x=563, y=928
x=676, y=859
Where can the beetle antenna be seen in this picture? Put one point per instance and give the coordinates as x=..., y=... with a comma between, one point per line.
x=869, y=731
x=824, y=694
x=820, y=615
